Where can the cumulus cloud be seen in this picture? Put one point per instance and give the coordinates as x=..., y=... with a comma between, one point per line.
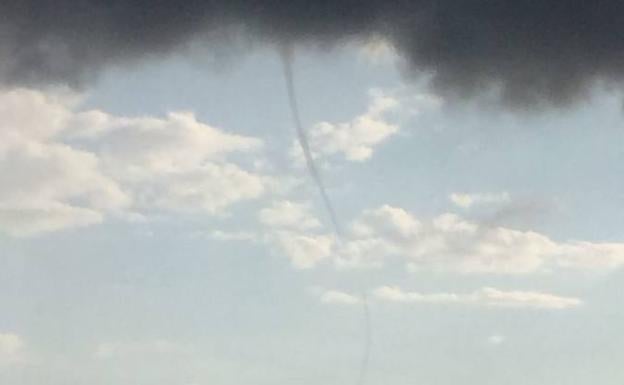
x=174, y=163
x=146, y=145
x=451, y=243
x=387, y=221
x=304, y=250
x=445, y=242
x=487, y=297
x=65, y=168
x=356, y=139
x=467, y=201
x=292, y=230
x=210, y=188
x=42, y=179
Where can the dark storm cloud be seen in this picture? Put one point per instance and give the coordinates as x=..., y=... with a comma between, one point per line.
x=533, y=50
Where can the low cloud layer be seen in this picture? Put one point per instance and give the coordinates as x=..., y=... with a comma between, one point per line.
x=533, y=52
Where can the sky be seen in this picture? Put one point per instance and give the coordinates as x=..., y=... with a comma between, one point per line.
x=158, y=224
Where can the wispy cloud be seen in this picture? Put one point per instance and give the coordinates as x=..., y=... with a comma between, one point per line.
x=238, y=236
x=11, y=348
x=487, y=297
x=336, y=297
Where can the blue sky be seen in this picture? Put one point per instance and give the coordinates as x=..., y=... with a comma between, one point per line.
x=160, y=228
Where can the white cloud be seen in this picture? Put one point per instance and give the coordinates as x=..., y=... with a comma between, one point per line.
x=32, y=114
x=11, y=348
x=304, y=250
x=386, y=221
x=50, y=172
x=291, y=228
x=363, y=253
x=488, y=297
x=588, y=255
x=46, y=184
x=175, y=163
x=355, y=139
x=449, y=242
x=137, y=148
x=209, y=188
x=64, y=168
x=446, y=242
x=466, y=201
x=295, y=232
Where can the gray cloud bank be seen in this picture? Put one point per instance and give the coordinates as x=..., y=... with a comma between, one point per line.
x=532, y=51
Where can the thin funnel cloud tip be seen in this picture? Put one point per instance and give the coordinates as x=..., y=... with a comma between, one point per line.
x=537, y=53
x=368, y=333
